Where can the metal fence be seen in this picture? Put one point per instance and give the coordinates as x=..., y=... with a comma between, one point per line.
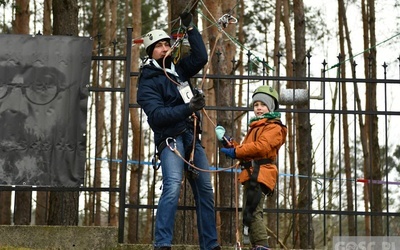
x=327, y=181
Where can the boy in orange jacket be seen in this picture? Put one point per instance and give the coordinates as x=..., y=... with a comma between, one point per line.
x=257, y=154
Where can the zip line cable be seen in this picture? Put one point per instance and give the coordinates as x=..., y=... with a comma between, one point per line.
x=214, y=22
x=368, y=49
x=314, y=178
x=255, y=59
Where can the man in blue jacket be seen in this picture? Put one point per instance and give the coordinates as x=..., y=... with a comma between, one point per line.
x=172, y=107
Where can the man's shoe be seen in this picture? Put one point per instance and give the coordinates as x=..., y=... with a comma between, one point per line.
x=162, y=248
x=217, y=248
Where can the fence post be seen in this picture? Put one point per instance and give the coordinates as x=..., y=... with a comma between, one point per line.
x=122, y=190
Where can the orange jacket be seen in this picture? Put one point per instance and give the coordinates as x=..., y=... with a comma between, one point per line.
x=263, y=140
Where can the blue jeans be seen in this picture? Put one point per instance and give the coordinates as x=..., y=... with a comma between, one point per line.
x=173, y=168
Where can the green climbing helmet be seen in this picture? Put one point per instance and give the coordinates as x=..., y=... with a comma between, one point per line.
x=265, y=89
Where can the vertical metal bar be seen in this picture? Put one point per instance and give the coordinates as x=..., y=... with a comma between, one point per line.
x=386, y=149
x=310, y=183
x=355, y=117
x=323, y=71
x=96, y=101
x=342, y=166
x=122, y=190
x=277, y=188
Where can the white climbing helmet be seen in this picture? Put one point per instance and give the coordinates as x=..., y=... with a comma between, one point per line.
x=154, y=36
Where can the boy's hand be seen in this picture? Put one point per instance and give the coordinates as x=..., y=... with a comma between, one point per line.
x=230, y=152
x=220, y=132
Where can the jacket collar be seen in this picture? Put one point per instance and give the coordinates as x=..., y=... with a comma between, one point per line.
x=270, y=115
x=171, y=70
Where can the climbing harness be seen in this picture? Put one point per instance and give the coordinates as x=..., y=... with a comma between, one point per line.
x=253, y=195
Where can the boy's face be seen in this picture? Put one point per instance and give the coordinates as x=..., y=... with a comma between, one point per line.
x=160, y=50
x=260, y=108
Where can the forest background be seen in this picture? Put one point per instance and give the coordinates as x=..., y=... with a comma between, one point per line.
x=355, y=30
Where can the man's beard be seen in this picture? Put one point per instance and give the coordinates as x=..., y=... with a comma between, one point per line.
x=168, y=61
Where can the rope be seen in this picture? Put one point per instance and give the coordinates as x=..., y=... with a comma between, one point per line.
x=238, y=246
x=208, y=64
x=194, y=138
x=190, y=164
x=368, y=49
x=232, y=39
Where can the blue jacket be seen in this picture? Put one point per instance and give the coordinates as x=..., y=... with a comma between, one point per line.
x=167, y=114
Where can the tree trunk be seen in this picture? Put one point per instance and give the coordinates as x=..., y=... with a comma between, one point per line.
x=23, y=207
x=89, y=197
x=63, y=206
x=47, y=17
x=22, y=16
x=303, y=139
x=42, y=206
x=100, y=115
x=331, y=173
x=210, y=142
x=113, y=220
x=138, y=139
x=372, y=121
x=347, y=164
x=23, y=199
x=271, y=201
x=151, y=185
x=65, y=17
x=291, y=191
x=365, y=127
x=221, y=62
x=5, y=211
x=42, y=199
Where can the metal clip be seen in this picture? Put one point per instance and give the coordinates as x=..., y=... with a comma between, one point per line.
x=167, y=143
x=155, y=163
x=192, y=171
x=226, y=19
x=177, y=42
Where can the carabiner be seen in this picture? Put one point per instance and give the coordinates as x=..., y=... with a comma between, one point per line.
x=167, y=143
x=226, y=19
x=178, y=41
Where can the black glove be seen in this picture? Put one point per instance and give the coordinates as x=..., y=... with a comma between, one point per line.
x=186, y=19
x=197, y=102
